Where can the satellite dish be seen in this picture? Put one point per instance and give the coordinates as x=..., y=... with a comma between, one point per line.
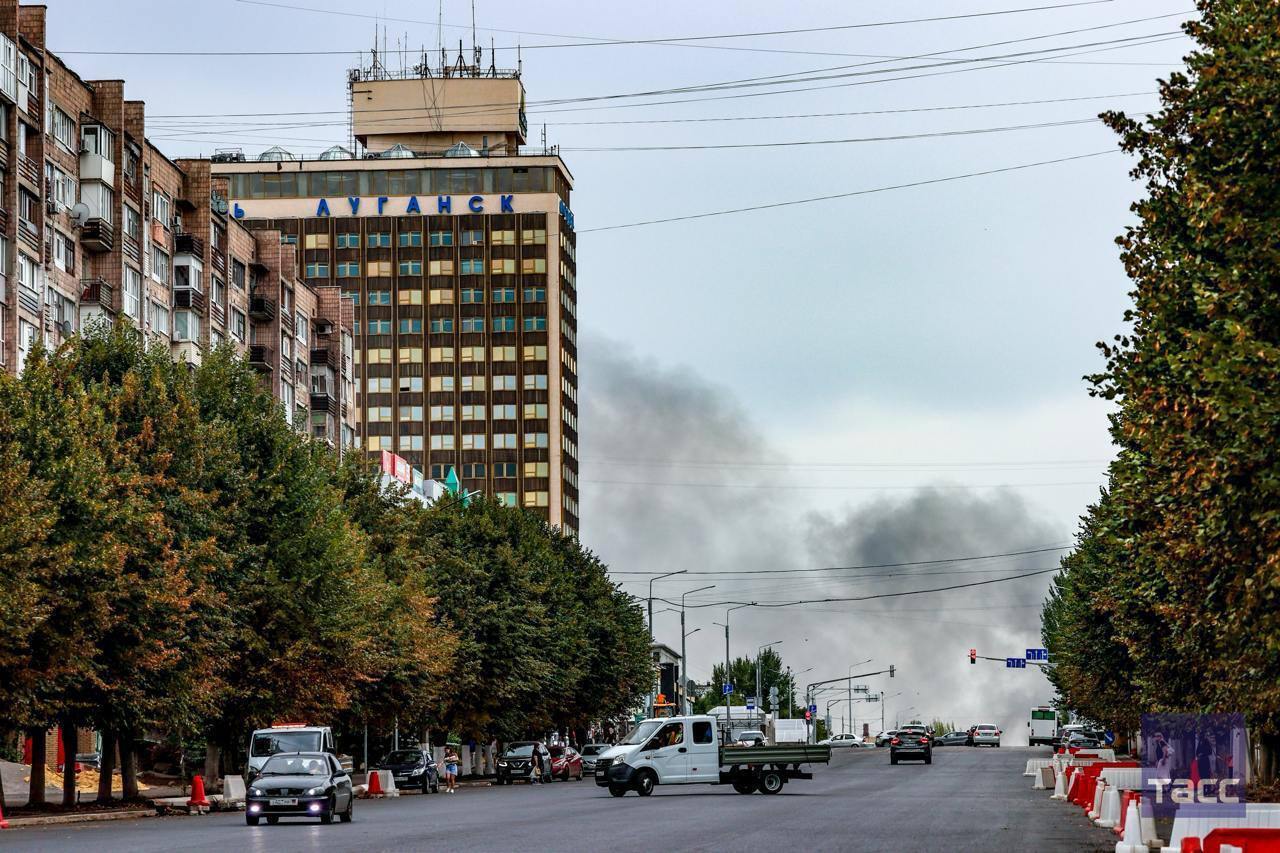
x=80, y=214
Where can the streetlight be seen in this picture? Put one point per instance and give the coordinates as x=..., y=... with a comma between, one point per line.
x=849, y=685
x=728, y=701
x=759, y=699
x=684, y=663
x=651, y=637
x=791, y=688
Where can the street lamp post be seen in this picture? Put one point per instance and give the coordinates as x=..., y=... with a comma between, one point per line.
x=728, y=697
x=684, y=661
x=791, y=688
x=759, y=701
x=652, y=639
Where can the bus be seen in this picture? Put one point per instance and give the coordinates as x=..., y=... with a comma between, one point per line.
x=1042, y=728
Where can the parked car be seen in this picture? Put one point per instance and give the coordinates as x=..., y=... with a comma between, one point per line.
x=865, y=744
x=412, y=768
x=954, y=739
x=911, y=742
x=842, y=740
x=884, y=737
x=517, y=761
x=566, y=763
x=749, y=737
x=986, y=734
x=1080, y=741
x=589, y=753
x=300, y=784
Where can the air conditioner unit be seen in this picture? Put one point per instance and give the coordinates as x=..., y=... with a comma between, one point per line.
x=51, y=205
x=177, y=222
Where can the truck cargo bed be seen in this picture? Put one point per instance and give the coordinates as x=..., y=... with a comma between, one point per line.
x=786, y=753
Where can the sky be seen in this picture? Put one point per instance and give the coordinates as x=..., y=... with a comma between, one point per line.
x=884, y=377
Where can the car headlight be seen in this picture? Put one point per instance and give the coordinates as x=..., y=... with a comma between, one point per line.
x=418, y=772
x=502, y=764
x=312, y=792
x=257, y=792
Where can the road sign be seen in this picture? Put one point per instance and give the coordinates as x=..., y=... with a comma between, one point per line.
x=1109, y=737
x=726, y=689
x=1015, y=663
x=813, y=709
x=773, y=695
x=973, y=655
x=751, y=703
x=1037, y=654
x=873, y=698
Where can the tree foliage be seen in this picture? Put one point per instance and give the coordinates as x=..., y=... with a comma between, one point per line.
x=1170, y=601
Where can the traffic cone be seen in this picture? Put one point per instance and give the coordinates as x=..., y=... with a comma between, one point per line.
x=197, y=793
x=1132, y=841
x=375, y=784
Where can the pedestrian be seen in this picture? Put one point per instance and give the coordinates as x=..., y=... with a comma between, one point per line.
x=450, y=769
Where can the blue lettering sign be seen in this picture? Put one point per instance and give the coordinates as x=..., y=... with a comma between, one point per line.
x=354, y=201
x=413, y=205
x=506, y=204
x=566, y=213
x=238, y=211
x=444, y=204
x=476, y=204
x=382, y=200
x=322, y=209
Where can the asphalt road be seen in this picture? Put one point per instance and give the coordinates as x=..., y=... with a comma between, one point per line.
x=968, y=799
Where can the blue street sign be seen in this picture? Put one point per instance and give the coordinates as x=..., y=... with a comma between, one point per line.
x=1015, y=663
x=1109, y=737
x=727, y=689
x=751, y=703
x=813, y=709
x=1037, y=654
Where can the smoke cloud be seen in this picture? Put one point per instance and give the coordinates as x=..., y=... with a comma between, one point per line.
x=646, y=427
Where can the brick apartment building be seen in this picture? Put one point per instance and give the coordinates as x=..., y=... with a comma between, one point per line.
x=97, y=224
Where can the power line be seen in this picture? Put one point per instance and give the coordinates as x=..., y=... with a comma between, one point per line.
x=803, y=601
x=924, y=466
x=834, y=196
x=932, y=562
x=773, y=486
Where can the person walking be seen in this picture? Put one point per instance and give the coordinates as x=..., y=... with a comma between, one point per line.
x=450, y=769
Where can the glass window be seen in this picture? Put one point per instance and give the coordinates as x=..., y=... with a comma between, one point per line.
x=410, y=325
x=442, y=238
x=535, y=324
x=473, y=324
x=472, y=297
x=504, y=294
x=470, y=383
x=186, y=326
x=132, y=302
x=504, y=324
x=442, y=324
x=411, y=268
x=410, y=238
x=472, y=238
x=438, y=383
x=441, y=297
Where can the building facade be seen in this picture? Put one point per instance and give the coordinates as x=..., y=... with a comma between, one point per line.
x=98, y=225
x=457, y=250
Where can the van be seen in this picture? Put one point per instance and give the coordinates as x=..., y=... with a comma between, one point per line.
x=287, y=737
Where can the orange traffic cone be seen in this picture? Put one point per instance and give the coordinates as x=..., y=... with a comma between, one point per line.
x=197, y=792
x=375, y=784
x=4, y=824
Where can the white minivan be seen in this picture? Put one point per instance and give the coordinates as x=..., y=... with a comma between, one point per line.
x=287, y=737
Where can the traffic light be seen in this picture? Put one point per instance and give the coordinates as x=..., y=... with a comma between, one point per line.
x=973, y=655
x=808, y=716
x=891, y=667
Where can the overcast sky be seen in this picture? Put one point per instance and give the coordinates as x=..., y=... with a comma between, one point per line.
x=914, y=356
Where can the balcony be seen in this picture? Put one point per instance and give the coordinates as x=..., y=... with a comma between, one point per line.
x=131, y=248
x=97, y=291
x=29, y=171
x=98, y=235
x=219, y=260
x=188, y=244
x=187, y=298
x=29, y=233
x=262, y=308
x=4, y=219
x=261, y=357
x=326, y=356
x=286, y=323
x=322, y=401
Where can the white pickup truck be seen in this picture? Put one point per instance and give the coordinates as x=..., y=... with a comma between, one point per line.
x=685, y=751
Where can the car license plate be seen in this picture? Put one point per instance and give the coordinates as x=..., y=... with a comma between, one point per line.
x=285, y=801
x=400, y=778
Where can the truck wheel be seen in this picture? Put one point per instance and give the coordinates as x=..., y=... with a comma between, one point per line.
x=618, y=790
x=744, y=786
x=771, y=782
x=645, y=782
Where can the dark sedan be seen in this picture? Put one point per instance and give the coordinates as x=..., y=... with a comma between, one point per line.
x=412, y=768
x=300, y=784
x=954, y=739
x=911, y=742
x=517, y=761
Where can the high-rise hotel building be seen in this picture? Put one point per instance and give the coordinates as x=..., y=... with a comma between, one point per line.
x=458, y=248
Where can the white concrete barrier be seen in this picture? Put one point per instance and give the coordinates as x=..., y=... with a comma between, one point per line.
x=233, y=789
x=1034, y=765
x=1262, y=815
x=1044, y=779
x=1099, y=789
x=1059, y=786
x=1124, y=778
x=1110, y=807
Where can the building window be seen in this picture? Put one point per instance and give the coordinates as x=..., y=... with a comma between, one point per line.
x=470, y=383
x=442, y=324
x=132, y=223
x=438, y=383
x=63, y=128
x=379, y=297
x=186, y=276
x=186, y=326
x=472, y=266
x=379, y=240
x=442, y=238
x=64, y=252
x=535, y=439
x=504, y=324
x=408, y=296
x=504, y=382
x=411, y=268
x=442, y=413
x=132, y=293
x=535, y=498
x=317, y=270
x=349, y=269
x=473, y=413
x=442, y=442
x=379, y=268
x=535, y=324
x=160, y=269
x=473, y=441
x=159, y=318
x=97, y=139
x=504, y=238
x=441, y=355
x=535, y=410
x=347, y=241
x=410, y=238
x=237, y=274
x=410, y=413
x=440, y=267
x=506, y=498
x=504, y=469
x=473, y=324
x=502, y=266
x=318, y=241
x=29, y=276
x=218, y=291
x=410, y=442
x=473, y=354
x=238, y=324
x=410, y=325
x=536, y=469
x=531, y=266
x=26, y=340
x=503, y=295
x=504, y=412
x=300, y=326
x=504, y=441
x=472, y=297
x=439, y=297
x=473, y=238
x=504, y=353
x=160, y=207
x=533, y=237
x=379, y=327
x=535, y=294
x=535, y=353
x=472, y=470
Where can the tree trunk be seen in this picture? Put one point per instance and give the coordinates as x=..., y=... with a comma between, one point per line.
x=108, y=765
x=68, y=732
x=128, y=766
x=39, y=756
x=212, y=760
x=1268, y=752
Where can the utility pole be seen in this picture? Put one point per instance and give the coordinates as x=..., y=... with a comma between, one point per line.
x=759, y=687
x=684, y=663
x=728, y=697
x=651, y=637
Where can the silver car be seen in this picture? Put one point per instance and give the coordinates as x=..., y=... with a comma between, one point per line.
x=590, y=752
x=986, y=735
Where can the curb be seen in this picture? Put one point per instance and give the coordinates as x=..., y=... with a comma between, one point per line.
x=88, y=817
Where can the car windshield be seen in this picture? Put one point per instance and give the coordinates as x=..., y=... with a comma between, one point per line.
x=269, y=743
x=296, y=765
x=986, y=728
x=593, y=749
x=520, y=750
x=403, y=756
x=641, y=733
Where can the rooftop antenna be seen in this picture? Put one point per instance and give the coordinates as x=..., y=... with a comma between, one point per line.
x=475, y=46
x=519, y=61
x=493, y=59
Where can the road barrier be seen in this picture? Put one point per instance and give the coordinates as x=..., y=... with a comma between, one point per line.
x=1257, y=815
x=1060, y=786
x=1034, y=765
x=1110, y=815
x=1131, y=841
x=198, y=800
x=1044, y=779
